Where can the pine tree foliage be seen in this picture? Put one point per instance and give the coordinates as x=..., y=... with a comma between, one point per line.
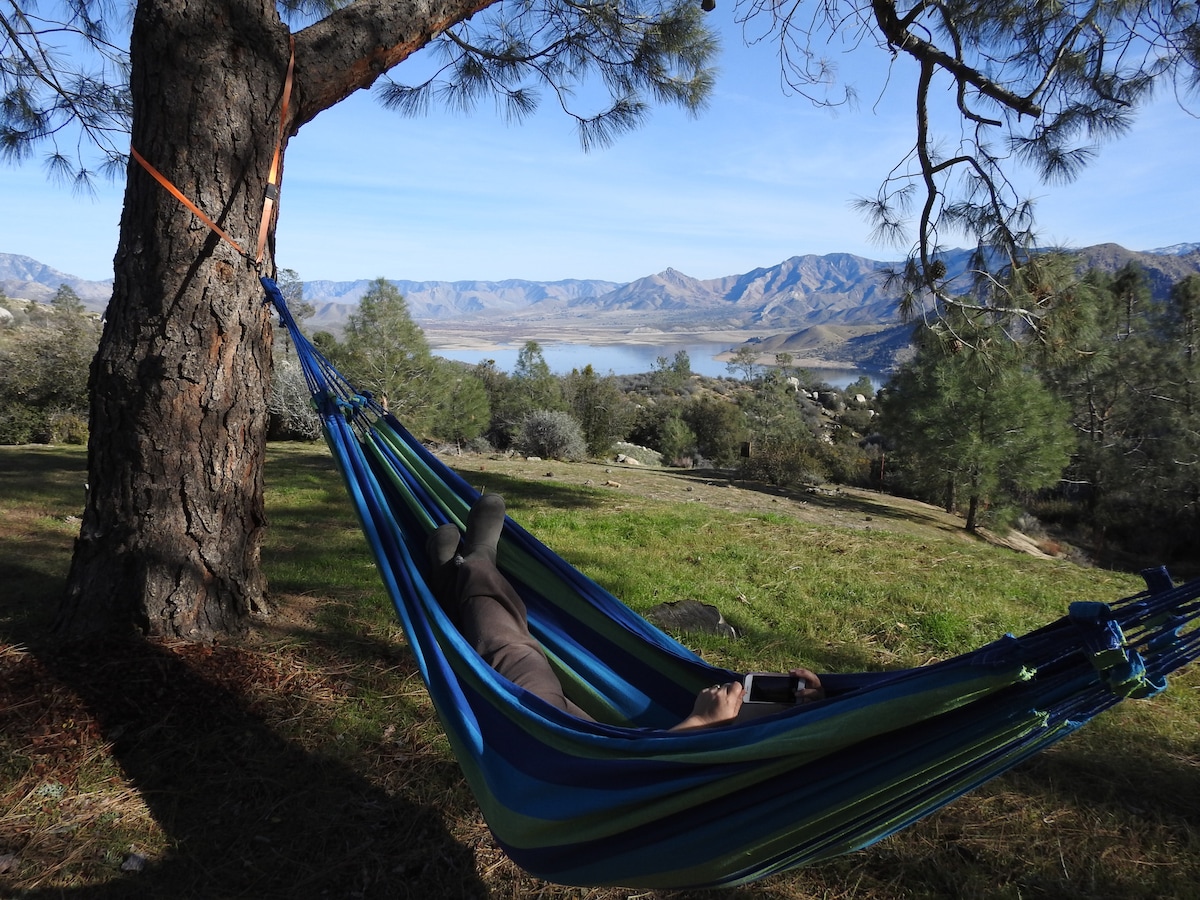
x=386, y=353
x=998, y=86
x=972, y=426
x=643, y=52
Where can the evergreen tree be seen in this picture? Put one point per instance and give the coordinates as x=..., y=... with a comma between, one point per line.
x=386, y=353
x=1099, y=357
x=533, y=380
x=745, y=363
x=506, y=409
x=463, y=414
x=974, y=422
x=1172, y=417
x=719, y=427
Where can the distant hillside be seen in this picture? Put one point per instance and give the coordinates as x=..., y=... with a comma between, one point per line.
x=28, y=279
x=846, y=295
x=431, y=301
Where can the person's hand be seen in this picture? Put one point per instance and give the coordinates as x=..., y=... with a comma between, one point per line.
x=810, y=686
x=715, y=705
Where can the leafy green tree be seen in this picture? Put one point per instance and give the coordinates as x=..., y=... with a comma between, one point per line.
x=386, y=352
x=504, y=404
x=1098, y=355
x=745, y=363
x=599, y=406
x=670, y=375
x=719, y=427
x=676, y=441
x=1172, y=418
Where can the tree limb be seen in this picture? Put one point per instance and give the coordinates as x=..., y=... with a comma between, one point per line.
x=349, y=49
x=899, y=37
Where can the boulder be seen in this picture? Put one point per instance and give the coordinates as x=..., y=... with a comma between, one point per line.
x=680, y=616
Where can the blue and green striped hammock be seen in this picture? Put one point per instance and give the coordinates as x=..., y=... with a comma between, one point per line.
x=621, y=801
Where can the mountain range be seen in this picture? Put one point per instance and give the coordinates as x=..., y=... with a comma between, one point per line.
x=846, y=294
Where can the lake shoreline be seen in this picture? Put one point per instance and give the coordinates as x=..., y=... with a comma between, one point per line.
x=511, y=339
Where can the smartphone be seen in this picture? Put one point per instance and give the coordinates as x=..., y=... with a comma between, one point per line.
x=770, y=687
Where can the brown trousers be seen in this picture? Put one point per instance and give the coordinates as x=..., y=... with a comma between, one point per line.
x=492, y=617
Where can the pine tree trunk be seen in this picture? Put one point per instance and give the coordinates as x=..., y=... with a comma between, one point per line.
x=973, y=514
x=172, y=530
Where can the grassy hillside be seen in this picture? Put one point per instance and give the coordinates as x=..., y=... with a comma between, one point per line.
x=307, y=762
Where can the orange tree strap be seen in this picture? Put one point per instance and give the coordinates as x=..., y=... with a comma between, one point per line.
x=178, y=194
x=272, y=192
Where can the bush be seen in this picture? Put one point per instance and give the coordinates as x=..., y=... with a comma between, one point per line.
x=68, y=428
x=784, y=463
x=19, y=423
x=552, y=434
x=292, y=415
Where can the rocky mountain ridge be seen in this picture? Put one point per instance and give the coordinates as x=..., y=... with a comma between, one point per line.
x=837, y=288
x=849, y=295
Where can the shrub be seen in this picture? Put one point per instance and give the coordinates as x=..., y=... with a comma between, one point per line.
x=19, y=423
x=68, y=428
x=784, y=463
x=553, y=434
x=292, y=415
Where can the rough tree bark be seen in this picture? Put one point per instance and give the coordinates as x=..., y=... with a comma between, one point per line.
x=170, y=542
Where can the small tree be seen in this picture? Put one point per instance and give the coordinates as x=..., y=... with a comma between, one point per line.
x=534, y=382
x=506, y=410
x=463, y=414
x=744, y=361
x=599, y=406
x=976, y=421
x=677, y=442
x=719, y=426
x=670, y=375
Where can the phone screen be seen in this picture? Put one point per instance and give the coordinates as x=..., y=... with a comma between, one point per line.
x=771, y=688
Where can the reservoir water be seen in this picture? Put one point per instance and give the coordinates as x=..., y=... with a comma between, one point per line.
x=632, y=359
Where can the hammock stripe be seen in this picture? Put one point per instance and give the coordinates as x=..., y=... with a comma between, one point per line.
x=621, y=801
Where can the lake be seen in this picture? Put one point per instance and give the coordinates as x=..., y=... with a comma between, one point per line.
x=631, y=359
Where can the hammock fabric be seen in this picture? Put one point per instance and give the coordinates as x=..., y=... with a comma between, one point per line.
x=622, y=801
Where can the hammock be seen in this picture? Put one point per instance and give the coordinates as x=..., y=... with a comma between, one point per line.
x=620, y=801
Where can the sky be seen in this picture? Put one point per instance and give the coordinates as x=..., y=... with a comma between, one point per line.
x=756, y=178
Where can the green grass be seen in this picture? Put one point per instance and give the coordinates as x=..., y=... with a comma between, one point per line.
x=308, y=762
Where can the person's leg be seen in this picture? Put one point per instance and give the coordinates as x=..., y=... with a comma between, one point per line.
x=488, y=611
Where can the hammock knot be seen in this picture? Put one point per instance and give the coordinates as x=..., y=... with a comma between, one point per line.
x=1121, y=668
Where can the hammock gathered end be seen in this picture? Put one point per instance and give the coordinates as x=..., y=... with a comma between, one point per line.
x=620, y=801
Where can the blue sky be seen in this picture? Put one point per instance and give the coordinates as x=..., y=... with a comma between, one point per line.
x=758, y=177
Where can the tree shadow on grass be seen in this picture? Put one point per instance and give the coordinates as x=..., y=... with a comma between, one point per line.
x=247, y=813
